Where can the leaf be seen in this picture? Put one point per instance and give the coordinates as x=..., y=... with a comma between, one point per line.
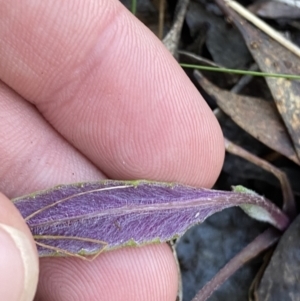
x=276, y=10
x=281, y=277
x=257, y=117
x=87, y=218
x=273, y=58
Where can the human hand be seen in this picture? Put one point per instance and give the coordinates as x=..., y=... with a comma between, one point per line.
x=88, y=92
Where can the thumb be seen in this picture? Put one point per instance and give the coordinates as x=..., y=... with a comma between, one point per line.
x=18, y=255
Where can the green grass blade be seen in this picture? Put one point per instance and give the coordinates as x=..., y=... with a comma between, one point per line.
x=243, y=72
x=133, y=6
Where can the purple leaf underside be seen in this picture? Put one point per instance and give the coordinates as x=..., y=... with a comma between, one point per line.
x=87, y=218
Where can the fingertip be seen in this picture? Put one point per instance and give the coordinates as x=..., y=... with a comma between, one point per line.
x=213, y=152
x=139, y=273
x=147, y=120
x=18, y=256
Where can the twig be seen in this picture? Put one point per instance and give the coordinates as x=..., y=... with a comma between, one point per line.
x=263, y=26
x=199, y=59
x=171, y=40
x=244, y=81
x=161, y=19
x=258, y=245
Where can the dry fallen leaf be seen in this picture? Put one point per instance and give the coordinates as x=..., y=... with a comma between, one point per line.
x=275, y=10
x=271, y=57
x=257, y=117
x=282, y=274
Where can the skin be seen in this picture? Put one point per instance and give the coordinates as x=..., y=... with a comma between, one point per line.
x=87, y=92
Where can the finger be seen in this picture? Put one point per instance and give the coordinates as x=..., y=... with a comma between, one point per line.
x=111, y=89
x=18, y=256
x=35, y=157
x=145, y=273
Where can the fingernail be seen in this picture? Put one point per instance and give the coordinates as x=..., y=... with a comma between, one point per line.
x=16, y=244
